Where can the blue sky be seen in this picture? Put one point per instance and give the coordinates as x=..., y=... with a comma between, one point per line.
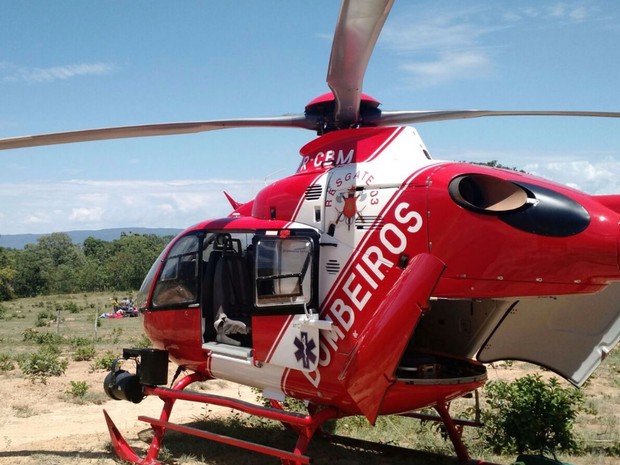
x=67, y=65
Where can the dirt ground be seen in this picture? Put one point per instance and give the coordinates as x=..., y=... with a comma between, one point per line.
x=42, y=424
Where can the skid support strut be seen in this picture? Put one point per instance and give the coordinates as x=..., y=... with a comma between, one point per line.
x=304, y=425
x=455, y=432
x=454, y=427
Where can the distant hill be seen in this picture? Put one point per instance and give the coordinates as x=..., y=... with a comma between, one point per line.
x=18, y=241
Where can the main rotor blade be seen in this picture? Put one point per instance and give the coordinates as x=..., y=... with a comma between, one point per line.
x=395, y=118
x=147, y=130
x=357, y=30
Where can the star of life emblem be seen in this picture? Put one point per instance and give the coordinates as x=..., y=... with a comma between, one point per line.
x=305, y=350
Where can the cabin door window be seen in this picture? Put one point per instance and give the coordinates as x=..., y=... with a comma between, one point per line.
x=283, y=271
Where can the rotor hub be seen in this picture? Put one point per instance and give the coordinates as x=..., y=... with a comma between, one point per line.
x=323, y=108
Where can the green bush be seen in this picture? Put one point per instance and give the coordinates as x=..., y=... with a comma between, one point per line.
x=104, y=362
x=531, y=415
x=6, y=362
x=142, y=342
x=42, y=365
x=44, y=317
x=80, y=341
x=79, y=389
x=84, y=353
x=32, y=335
x=71, y=307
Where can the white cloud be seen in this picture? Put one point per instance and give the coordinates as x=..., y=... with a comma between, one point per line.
x=593, y=172
x=43, y=207
x=83, y=214
x=437, y=47
x=34, y=218
x=430, y=41
x=573, y=12
x=10, y=72
x=450, y=66
x=436, y=31
x=593, y=177
x=564, y=12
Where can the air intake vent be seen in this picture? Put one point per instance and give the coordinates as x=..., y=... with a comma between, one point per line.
x=369, y=222
x=314, y=192
x=332, y=266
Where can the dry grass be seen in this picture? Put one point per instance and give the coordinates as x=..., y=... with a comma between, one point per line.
x=50, y=408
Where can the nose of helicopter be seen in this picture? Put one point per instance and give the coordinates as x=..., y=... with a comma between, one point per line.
x=618, y=248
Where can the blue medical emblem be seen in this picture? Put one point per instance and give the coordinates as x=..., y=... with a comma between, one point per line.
x=305, y=350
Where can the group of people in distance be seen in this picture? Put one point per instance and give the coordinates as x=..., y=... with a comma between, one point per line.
x=125, y=308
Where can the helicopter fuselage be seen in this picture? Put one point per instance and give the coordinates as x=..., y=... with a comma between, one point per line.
x=373, y=277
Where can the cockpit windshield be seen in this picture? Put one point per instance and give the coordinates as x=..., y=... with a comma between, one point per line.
x=145, y=288
x=178, y=281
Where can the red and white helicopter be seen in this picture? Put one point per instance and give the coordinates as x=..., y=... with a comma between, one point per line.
x=374, y=280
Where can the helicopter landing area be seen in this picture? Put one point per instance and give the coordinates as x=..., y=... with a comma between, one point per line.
x=42, y=423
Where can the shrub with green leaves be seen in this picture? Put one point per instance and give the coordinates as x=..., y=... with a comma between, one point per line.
x=6, y=362
x=71, y=307
x=79, y=389
x=104, y=362
x=78, y=341
x=42, y=364
x=47, y=338
x=84, y=353
x=531, y=415
x=142, y=342
x=44, y=317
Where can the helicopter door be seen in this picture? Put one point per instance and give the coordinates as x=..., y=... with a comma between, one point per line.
x=285, y=329
x=570, y=335
x=226, y=292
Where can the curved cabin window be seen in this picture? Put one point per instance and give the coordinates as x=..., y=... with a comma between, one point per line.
x=283, y=274
x=177, y=283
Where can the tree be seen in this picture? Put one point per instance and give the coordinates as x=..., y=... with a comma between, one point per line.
x=132, y=258
x=29, y=278
x=97, y=250
x=7, y=274
x=56, y=265
x=59, y=249
x=49, y=266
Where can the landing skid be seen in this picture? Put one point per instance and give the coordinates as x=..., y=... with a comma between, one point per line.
x=304, y=425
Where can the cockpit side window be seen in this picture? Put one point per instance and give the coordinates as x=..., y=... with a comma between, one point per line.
x=178, y=281
x=283, y=268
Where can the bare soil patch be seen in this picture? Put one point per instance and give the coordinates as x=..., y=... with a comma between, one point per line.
x=42, y=423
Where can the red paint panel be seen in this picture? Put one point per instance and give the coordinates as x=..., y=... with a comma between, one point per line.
x=179, y=332
x=402, y=397
x=270, y=328
x=369, y=369
x=344, y=147
x=486, y=257
x=281, y=199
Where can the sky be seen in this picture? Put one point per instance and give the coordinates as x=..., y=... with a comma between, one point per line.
x=70, y=64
